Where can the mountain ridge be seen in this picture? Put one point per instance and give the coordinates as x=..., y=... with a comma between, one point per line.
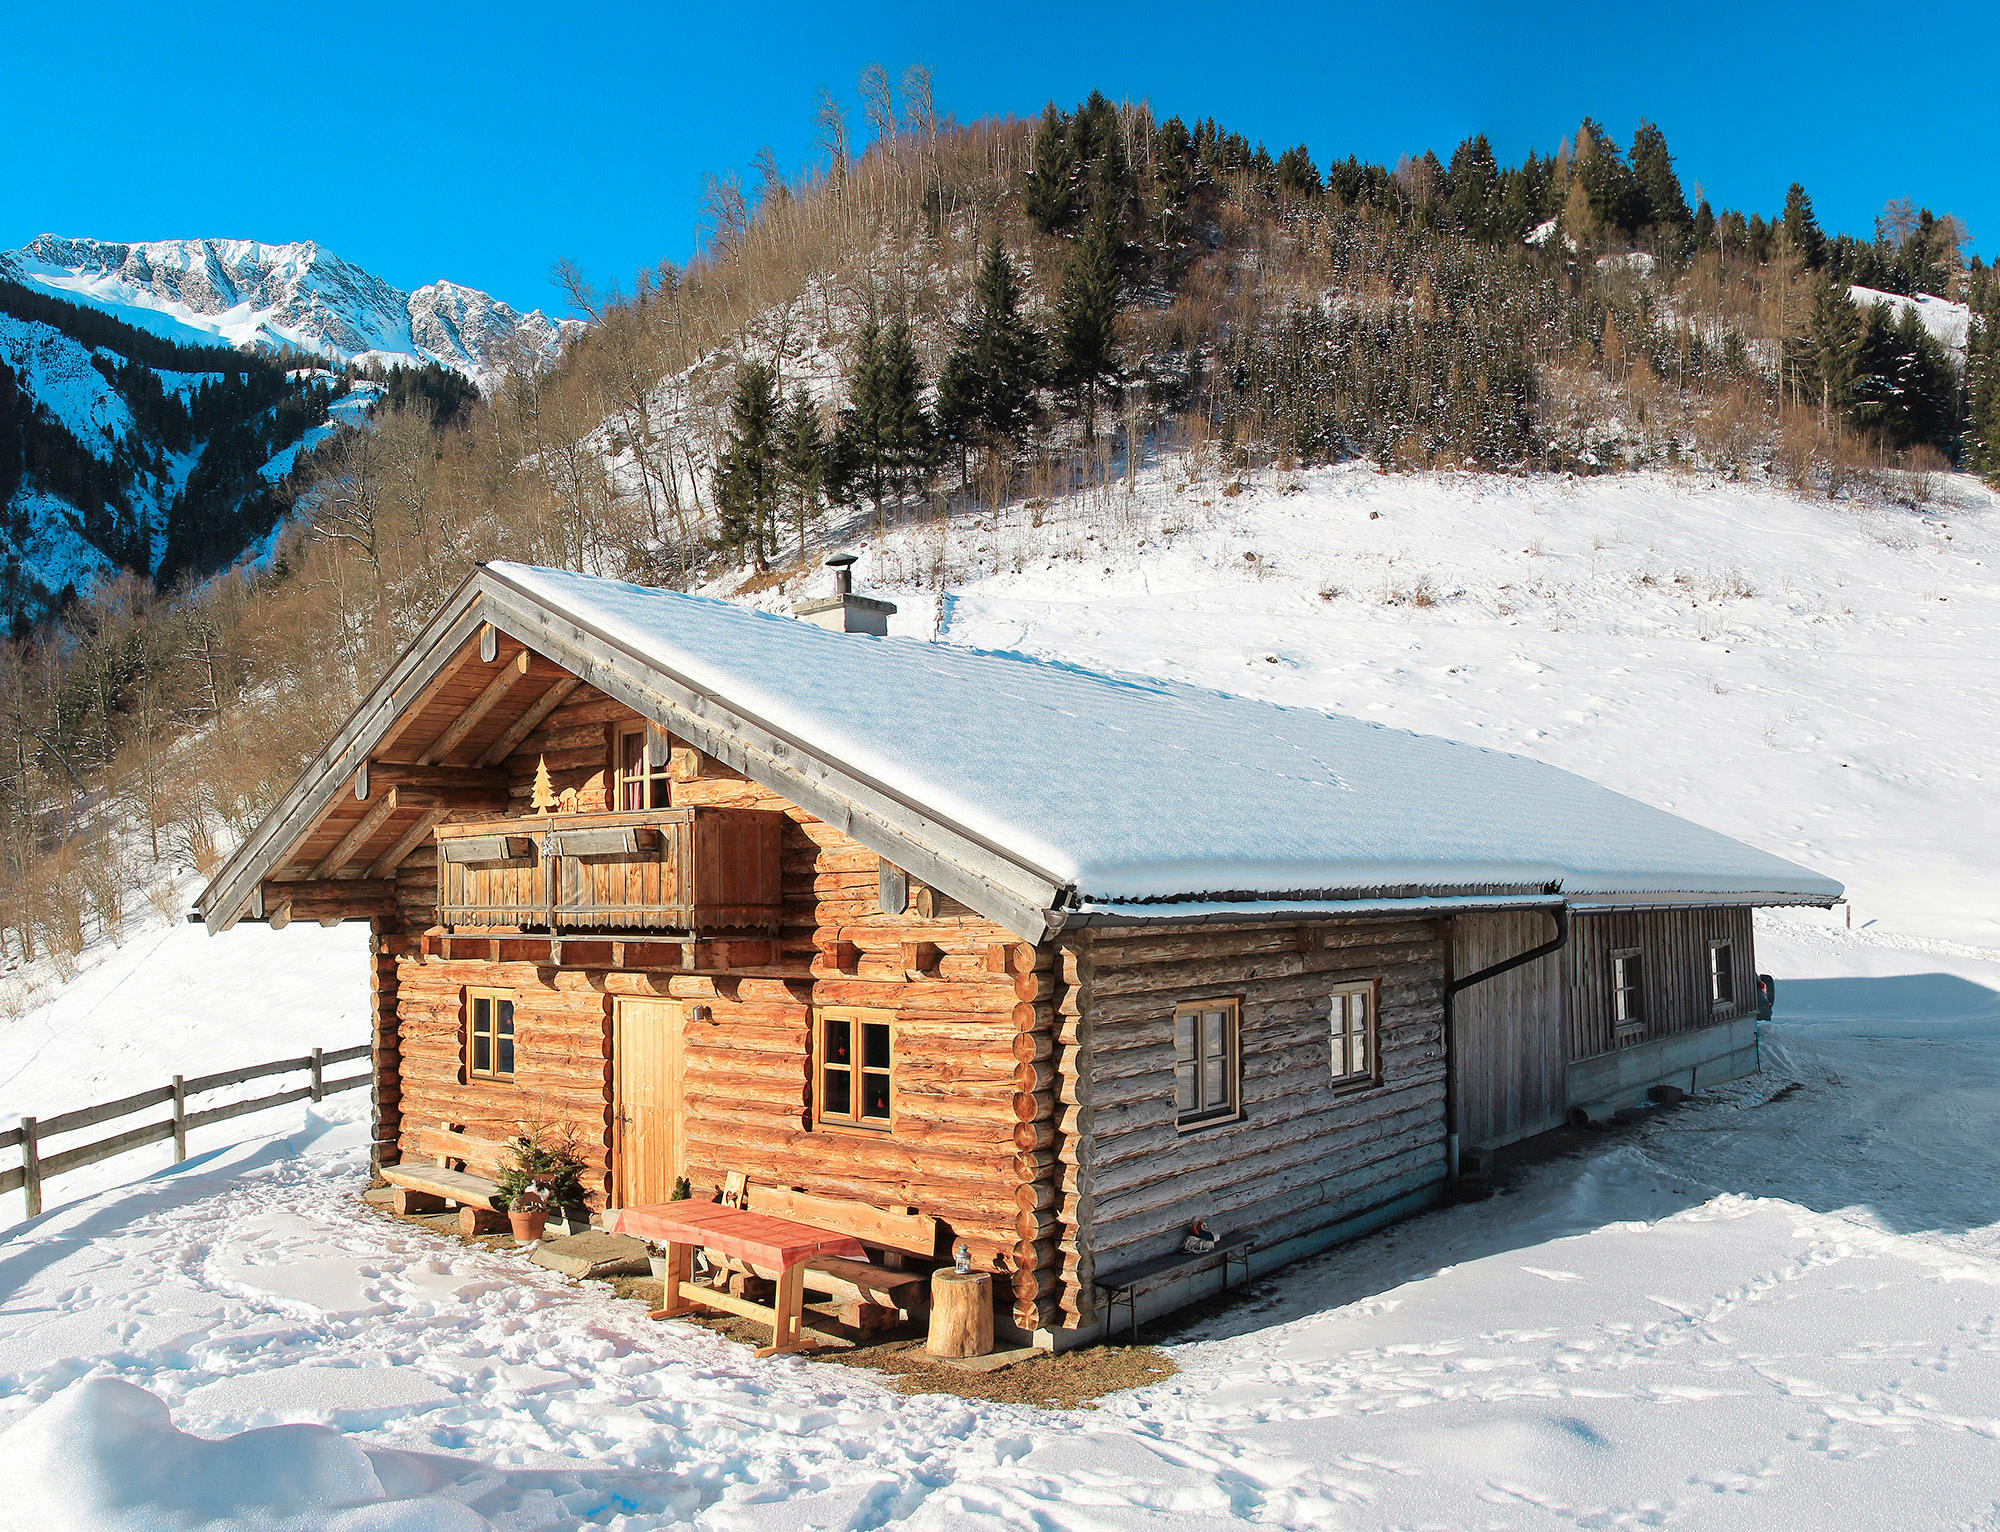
x=299, y=295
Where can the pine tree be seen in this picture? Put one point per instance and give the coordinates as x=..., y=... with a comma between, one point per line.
x=884, y=443
x=1658, y=188
x=747, y=476
x=1474, y=178
x=907, y=435
x=1982, y=381
x=1087, y=315
x=957, y=413
x=1051, y=178
x=1802, y=229
x=1704, y=225
x=802, y=460
x=1833, y=351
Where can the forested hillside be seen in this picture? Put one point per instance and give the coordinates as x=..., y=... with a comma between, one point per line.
x=936, y=320
x=120, y=450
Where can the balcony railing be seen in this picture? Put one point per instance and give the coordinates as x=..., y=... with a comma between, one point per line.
x=693, y=870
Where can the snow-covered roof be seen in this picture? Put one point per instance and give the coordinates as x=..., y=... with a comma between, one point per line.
x=1127, y=789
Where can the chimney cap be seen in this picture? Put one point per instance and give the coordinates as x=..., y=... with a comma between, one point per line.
x=841, y=560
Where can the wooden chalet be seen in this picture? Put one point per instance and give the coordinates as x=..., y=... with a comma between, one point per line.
x=1060, y=961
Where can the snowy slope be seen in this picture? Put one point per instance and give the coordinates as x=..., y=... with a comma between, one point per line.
x=1950, y=324
x=1819, y=680
x=197, y=291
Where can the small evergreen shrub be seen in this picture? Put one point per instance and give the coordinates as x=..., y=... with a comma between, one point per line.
x=547, y=1160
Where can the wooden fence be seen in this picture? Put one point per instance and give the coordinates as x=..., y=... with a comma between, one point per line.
x=36, y=1167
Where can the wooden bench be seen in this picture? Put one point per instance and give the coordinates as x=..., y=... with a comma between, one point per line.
x=429, y=1188
x=871, y=1292
x=1128, y=1285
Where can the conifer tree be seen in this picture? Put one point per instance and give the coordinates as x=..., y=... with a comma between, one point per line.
x=884, y=441
x=1051, y=195
x=1087, y=315
x=987, y=389
x=1833, y=350
x=1704, y=225
x=802, y=460
x=747, y=475
x=1802, y=229
x=1474, y=179
x=1982, y=381
x=1657, y=188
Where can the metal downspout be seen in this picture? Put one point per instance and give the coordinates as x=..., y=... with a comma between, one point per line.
x=1452, y=986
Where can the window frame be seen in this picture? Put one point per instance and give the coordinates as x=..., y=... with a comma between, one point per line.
x=1722, y=974
x=851, y=1121
x=1371, y=991
x=495, y=997
x=1623, y=1028
x=655, y=760
x=1231, y=1110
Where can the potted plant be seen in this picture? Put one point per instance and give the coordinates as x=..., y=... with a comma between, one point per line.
x=528, y=1212
x=546, y=1177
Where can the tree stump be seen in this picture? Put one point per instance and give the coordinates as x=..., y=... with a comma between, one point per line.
x=961, y=1314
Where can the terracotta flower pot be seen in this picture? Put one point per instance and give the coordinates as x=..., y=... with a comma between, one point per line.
x=528, y=1226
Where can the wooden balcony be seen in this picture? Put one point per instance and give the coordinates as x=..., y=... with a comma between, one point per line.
x=694, y=871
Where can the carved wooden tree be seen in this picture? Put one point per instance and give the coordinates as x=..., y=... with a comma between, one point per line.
x=545, y=792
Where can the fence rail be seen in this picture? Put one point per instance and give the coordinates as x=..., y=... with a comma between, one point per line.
x=36, y=1167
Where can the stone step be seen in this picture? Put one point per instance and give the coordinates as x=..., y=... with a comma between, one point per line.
x=594, y=1254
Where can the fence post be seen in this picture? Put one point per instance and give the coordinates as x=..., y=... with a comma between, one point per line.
x=319, y=1076
x=31, y=1166
x=180, y=1120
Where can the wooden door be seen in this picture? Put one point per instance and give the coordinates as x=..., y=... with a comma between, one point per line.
x=646, y=1145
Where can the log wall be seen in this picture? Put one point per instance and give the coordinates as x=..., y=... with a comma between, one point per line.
x=973, y=1010
x=1673, y=970
x=1302, y=1154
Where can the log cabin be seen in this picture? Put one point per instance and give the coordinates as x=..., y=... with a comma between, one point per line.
x=1060, y=960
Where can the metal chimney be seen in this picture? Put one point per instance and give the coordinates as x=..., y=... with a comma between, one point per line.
x=845, y=612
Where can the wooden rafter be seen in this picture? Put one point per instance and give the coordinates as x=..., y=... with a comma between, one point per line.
x=484, y=703
x=413, y=709
x=385, y=865
x=356, y=837
x=523, y=726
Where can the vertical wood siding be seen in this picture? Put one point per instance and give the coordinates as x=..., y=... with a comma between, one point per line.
x=1673, y=947
x=1512, y=1041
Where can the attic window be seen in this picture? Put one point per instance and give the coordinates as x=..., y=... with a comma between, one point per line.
x=642, y=770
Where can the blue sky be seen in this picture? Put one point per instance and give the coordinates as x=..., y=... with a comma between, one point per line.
x=481, y=144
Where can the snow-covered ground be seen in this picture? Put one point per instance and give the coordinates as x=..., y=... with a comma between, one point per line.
x=1777, y=1306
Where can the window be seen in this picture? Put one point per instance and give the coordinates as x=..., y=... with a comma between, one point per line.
x=1627, y=1002
x=1721, y=975
x=1206, y=1061
x=642, y=770
x=1353, y=1034
x=856, y=1069
x=489, y=1034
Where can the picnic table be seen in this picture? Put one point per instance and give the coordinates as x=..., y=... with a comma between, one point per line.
x=758, y=1238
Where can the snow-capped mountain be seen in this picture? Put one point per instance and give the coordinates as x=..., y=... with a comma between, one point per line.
x=198, y=291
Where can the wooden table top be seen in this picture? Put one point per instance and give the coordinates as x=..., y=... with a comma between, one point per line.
x=755, y=1237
